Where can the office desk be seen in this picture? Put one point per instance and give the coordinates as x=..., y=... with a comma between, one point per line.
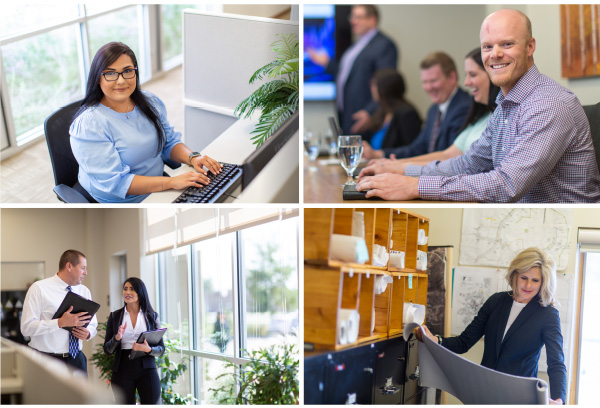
x=325, y=186
x=232, y=146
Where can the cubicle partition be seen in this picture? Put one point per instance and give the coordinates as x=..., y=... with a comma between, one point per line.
x=220, y=54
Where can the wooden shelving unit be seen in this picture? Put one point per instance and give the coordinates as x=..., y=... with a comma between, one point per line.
x=331, y=285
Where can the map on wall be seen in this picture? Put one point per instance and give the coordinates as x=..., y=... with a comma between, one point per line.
x=494, y=236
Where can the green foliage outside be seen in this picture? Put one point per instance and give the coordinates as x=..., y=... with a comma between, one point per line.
x=277, y=99
x=266, y=283
x=169, y=370
x=270, y=377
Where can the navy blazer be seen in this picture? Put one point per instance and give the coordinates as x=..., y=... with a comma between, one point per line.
x=112, y=345
x=453, y=120
x=519, y=352
x=379, y=53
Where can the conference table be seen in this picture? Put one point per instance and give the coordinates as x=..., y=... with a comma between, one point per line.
x=325, y=184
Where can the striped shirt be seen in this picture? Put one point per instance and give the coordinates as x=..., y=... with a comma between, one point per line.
x=536, y=148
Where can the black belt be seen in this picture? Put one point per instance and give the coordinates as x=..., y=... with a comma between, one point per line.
x=59, y=355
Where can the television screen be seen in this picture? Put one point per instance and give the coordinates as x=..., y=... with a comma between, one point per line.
x=319, y=35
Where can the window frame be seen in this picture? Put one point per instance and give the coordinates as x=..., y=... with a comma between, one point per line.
x=239, y=329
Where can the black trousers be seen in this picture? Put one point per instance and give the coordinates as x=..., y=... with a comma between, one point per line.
x=133, y=376
x=79, y=362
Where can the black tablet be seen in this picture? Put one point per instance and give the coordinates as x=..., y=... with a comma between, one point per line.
x=80, y=304
x=152, y=337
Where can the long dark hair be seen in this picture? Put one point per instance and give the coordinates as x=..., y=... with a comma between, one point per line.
x=140, y=288
x=390, y=88
x=478, y=109
x=107, y=55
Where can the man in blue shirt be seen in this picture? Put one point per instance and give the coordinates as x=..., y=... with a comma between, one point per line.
x=536, y=148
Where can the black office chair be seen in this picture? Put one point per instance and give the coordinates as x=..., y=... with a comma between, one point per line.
x=593, y=114
x=64, y=164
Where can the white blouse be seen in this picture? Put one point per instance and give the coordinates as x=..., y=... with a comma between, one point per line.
x=514, y=312
x=132, y=333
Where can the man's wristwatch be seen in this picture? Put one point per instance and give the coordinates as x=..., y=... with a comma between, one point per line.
x=439, y=338
x=192, y=155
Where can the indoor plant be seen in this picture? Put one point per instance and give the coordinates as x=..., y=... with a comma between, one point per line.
x=277, y=99
x=270, y=377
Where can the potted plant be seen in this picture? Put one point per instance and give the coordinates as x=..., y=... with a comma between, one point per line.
x=270, y=377
x=277, y=99
x=169, y=371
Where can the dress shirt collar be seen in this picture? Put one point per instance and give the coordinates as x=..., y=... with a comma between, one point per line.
x=61, y=282
x=522, y=88
x=365, y=39
x=443, y=107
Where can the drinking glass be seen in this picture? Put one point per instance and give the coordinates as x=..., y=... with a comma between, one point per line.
x=331, y=143
x=350, y=150
x=312, y=144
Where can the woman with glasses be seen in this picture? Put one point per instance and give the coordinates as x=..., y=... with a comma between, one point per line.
x=123, y=329
x=121, y=136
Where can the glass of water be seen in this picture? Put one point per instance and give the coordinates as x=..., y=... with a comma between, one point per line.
x=312, y=144
x=350, y=150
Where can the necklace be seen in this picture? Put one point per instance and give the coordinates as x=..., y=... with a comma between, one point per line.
x=129, y=108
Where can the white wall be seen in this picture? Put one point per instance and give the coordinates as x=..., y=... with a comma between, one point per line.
x=43, y=234
x=421, y=29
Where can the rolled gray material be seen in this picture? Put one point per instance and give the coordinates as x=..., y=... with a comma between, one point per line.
x=472, y=383
x=349, y=249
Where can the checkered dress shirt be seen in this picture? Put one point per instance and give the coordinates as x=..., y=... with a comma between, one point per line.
x=536, y=148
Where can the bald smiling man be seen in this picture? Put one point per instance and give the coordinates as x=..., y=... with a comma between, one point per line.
x=536, y=148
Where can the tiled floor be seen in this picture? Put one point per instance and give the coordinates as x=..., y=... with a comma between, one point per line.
x=27, y=177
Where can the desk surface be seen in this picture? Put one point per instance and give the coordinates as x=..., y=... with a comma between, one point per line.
x=326, y=184
x=232, y=146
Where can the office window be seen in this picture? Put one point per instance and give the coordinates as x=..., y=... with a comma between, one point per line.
x=589, y=370
x=214, y=259
x=17, y=17
x=244, y=296
x=42, y=74
x=269, y=271
x=121, y=26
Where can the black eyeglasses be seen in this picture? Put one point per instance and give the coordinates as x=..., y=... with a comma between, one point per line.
x=113, y=75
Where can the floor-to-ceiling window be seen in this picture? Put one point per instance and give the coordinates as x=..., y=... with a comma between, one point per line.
x=46, y=50
x=229, y=293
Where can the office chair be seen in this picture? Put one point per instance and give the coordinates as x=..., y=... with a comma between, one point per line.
x=64, y=164
x=593, y=114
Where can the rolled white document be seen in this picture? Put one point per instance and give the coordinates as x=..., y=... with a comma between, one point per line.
x=413, y=313
x=397, y=259
x=381, y=283
x=349, y=249
x=358, y=224
x=380, y=255
x=422, y=238
x=373, y=320
x=421, y=260
x=349, y=320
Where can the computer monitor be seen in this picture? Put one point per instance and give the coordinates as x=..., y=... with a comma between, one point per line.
x=261, y=156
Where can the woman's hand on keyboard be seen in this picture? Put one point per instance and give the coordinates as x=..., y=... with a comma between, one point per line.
x=211, y=164
x=188, y=179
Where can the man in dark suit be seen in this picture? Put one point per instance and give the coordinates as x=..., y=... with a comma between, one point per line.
x=444, y=118
x=371, y=52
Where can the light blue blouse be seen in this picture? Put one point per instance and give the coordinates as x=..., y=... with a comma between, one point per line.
x=111, y=149
x=471, y=133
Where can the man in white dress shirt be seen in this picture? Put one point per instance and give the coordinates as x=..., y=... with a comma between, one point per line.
x=41, y=302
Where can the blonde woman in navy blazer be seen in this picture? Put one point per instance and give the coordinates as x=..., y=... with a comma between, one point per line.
x=518, y=323
x=123, y=329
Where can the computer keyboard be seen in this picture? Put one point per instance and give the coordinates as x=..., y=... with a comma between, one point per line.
x=216, y=191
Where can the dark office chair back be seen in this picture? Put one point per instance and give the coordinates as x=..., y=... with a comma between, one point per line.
x=56, y=128
x=593, y=115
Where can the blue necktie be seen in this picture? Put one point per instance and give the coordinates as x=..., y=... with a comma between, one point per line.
x=73, y=341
